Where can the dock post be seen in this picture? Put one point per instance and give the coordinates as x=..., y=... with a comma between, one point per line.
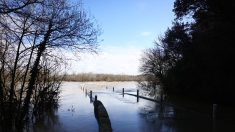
x=91, y=94
x=137, y=95
x=86, y=93
x=214, y=110
x=113, y=89
x=122, y=92
x=95, y=97
x=91, y=101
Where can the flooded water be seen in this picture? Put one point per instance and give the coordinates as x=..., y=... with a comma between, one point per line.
x=76, y=112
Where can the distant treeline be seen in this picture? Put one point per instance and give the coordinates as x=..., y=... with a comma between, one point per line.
x=84, y=77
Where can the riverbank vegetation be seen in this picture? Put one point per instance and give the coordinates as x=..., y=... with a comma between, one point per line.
x=89, y=77
x=194, y=57
x=33, y=35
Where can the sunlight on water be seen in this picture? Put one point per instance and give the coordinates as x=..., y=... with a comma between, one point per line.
x=76, y=111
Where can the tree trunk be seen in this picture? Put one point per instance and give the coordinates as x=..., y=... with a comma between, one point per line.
x=14, y=69
x=25, y=76
x=33, y=77
x=34, y=72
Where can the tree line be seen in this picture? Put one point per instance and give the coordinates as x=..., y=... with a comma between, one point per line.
x=195, y=56
x=88, y=77
x=32, y=35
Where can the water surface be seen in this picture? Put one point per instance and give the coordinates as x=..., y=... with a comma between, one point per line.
x=76, y=112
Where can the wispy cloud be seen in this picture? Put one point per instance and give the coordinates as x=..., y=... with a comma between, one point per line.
x=145, y=34
x=114, y=60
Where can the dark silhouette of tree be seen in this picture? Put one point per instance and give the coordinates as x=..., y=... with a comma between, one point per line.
x=198, y=50
x=159, y=62
x=212, y=37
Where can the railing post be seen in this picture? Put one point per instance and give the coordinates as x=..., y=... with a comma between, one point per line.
x=86, y=93
x=122, y=92
x=95, y=97
x=91, y=97
x=91, y=94
x=137, y=95
x=214, y=111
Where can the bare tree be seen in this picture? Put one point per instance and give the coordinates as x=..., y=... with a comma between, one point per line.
x=153, y=65
x=153, y=68
x=8, y=6
x=61, y=26
x=30, y=34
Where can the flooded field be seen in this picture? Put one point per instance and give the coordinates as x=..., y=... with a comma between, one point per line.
x=76, y=112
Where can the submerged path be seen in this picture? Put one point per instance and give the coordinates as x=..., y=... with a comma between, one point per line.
x=170, y=104
x=126, y=114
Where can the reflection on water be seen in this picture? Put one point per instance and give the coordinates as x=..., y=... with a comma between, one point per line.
x=76, y=112
x=48, y=122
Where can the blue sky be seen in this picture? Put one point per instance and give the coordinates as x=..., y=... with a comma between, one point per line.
x=128, y=27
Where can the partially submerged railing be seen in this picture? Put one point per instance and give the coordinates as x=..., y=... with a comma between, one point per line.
x=138, y=96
